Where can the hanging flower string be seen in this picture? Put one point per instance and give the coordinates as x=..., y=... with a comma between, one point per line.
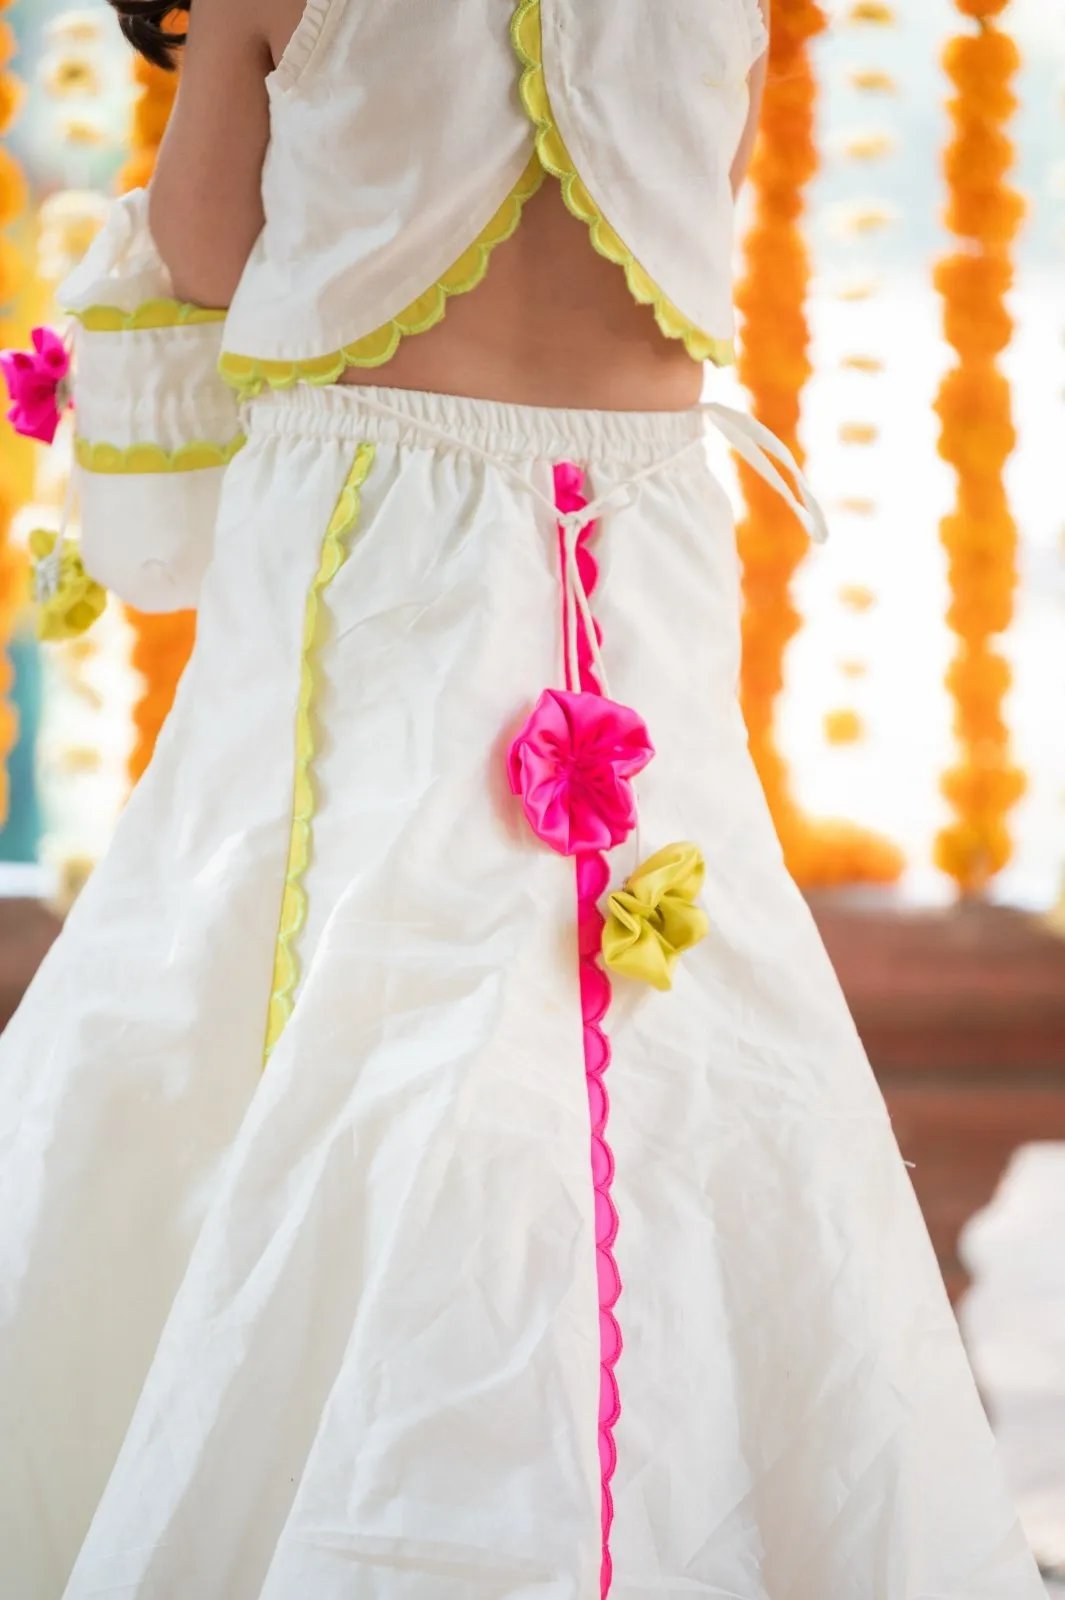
x=13, y=202
x=977, y=438
x=38, y=381
x=774, y=366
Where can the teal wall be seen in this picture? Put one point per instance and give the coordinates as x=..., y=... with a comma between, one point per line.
x=20, y=837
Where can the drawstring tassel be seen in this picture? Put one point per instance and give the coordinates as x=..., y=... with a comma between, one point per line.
x=68, y=600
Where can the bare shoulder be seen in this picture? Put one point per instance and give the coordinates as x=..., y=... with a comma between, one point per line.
x=279, y=19
x=263, y=25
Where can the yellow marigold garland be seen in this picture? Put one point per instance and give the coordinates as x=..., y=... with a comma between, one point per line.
x=161, y=644
x=977, y=438
x=774, y=366
x=13, y=566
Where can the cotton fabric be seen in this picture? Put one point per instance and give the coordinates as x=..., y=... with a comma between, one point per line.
x=332, y=1329
x=146, y=535
x=415, y=177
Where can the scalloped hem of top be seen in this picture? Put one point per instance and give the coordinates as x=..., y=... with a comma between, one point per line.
x=150, y=314
x=249, y=374
x=526, y=31
x=138, y=460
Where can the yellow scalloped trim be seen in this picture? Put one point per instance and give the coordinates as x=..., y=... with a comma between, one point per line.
x=294, y=900
x=247, y=374
x=526, y=32
x=152, y=314
x=152, y=458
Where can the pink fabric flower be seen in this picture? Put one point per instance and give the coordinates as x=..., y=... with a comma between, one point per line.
x=572, y=764
x=36, y=382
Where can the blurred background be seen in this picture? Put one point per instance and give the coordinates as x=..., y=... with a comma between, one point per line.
x=900, y=260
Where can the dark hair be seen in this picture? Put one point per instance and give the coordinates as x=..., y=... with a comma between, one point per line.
x=150, y=27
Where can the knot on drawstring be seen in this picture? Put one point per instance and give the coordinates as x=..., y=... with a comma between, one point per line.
x=577, y=603
x=622, y=497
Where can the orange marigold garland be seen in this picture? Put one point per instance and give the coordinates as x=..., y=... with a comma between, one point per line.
x=977, y=438
x=775, y=366
x=161, y=644
x=13, y=567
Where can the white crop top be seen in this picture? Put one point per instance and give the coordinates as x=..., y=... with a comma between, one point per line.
x=406, y=136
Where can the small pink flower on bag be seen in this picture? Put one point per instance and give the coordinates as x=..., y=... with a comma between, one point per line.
x=572, y=765
x=38, y=385
x=68, y=600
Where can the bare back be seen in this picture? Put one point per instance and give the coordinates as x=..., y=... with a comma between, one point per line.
x=552, y=324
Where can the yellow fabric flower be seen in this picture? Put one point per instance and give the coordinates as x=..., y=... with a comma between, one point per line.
x=654, y=919
x=68, y=600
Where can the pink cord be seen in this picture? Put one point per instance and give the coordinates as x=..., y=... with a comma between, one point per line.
x=593, y=877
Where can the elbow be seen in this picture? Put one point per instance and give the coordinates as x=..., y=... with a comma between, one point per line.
x=205, y=262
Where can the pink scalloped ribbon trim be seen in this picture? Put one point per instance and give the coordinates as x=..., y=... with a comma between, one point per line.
x=593, y=877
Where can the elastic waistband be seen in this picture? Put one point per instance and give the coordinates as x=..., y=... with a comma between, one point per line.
x=519, y=433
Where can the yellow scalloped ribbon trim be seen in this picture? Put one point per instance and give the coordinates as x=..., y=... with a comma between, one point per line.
x=335, y=551
x=152, y=458
x=526, y=31
x=152, y=314
x=248, y=375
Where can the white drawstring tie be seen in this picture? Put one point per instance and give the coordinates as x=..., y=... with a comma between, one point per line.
x=47, y=571
x=751, y=440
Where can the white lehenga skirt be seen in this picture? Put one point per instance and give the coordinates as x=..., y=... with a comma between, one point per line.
x=346, y=1328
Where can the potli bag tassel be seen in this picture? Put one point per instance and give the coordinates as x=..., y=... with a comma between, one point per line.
x=67, y=599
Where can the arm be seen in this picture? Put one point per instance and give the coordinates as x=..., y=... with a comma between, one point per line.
x=756, y=83
x=205, y=198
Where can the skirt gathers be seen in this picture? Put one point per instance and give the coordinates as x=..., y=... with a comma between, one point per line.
x=363, y=1236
